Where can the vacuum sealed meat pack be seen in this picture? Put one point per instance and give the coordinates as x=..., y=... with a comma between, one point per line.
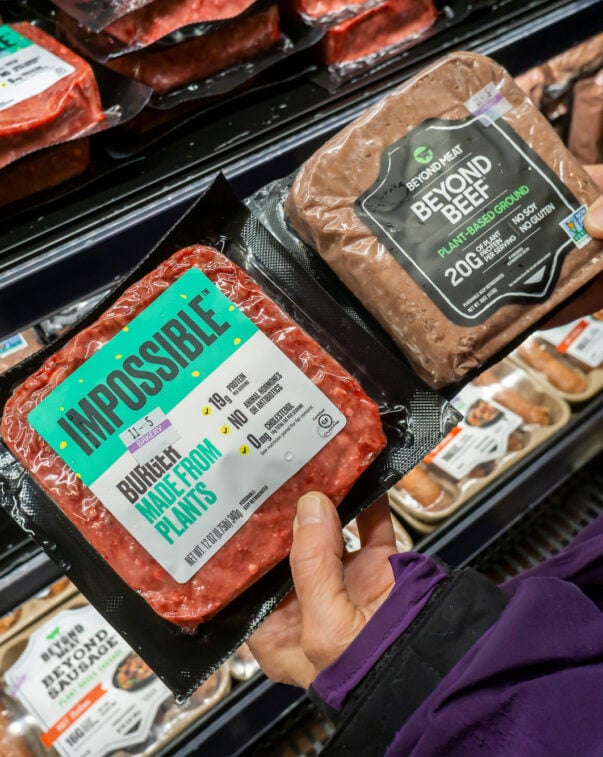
x=169, y=435
x=52, y=98
x=453, y=212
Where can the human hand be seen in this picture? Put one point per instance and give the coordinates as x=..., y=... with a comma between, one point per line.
x=335, y=593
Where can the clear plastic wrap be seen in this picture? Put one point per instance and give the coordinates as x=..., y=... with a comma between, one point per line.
x=265, y=539
x=568, y=359
x=449, y=293
x=376, y=28
x=162, y=17
x=507, y=414
x=204, y=62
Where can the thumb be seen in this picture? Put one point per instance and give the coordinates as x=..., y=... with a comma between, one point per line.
x=330, y=620
x=593, y=221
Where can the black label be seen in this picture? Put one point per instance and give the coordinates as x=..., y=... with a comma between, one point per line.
x=474, y=215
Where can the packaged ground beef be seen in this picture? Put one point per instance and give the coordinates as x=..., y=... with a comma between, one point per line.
x=52, y=96
x=15, y=348
x=453, y=212
x=169, y=67
x=158, y=19
x=375, y=29
x=168, y=436
x=44, y=169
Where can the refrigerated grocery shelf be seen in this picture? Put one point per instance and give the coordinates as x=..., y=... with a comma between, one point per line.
x=51, y=260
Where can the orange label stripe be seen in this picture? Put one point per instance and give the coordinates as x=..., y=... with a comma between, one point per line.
x=445, y=441
x=564, y=346
x=79, y=708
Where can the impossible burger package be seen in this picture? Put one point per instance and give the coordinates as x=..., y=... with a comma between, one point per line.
x=453, y=212
x=168, y=436
x=70, y=686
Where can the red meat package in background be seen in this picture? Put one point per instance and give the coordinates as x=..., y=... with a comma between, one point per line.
x=52, y=99
x=168, y=436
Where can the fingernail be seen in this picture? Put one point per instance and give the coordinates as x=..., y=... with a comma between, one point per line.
x=594, y=217
x=309, y=509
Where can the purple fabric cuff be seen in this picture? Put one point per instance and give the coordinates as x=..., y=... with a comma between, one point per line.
x=416, y=576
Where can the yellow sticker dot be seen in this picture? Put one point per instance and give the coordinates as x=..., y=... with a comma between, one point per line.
x=184, y=296
x=225, y=430
x=79, y=475
x=62, y=445
x=244, y=449
x=206, y=410
x=231, y=308
x=196, y=374
x=118, y=356
x=126, y=329
x=62, y=409
x=237, y=340
x=81, y=381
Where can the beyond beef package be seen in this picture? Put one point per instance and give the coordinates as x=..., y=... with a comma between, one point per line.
x=169, y=435
x=454, y=213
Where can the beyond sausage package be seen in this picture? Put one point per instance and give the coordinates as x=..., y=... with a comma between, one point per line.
x=569, y=358
x=454, y=213
x=70, y=686
x=169, y=435
x=506, y=414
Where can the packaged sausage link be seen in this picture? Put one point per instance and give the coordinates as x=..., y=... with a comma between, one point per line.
x=568, y=359
x=506, y=414
x=17, y=347
x=169, y=435
x=453, y=212
x=70, y=686
x=35, y=607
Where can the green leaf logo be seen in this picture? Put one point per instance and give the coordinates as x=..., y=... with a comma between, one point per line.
x=423, y=155
x=53, y=634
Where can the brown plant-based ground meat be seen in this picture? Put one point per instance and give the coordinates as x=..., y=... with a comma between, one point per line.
x=321, y=209
x=266, y=537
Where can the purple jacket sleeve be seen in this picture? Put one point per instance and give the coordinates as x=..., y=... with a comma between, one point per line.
x=529, y=685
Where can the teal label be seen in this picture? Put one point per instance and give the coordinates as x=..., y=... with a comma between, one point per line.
x=154, y=362
x=11, y=41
